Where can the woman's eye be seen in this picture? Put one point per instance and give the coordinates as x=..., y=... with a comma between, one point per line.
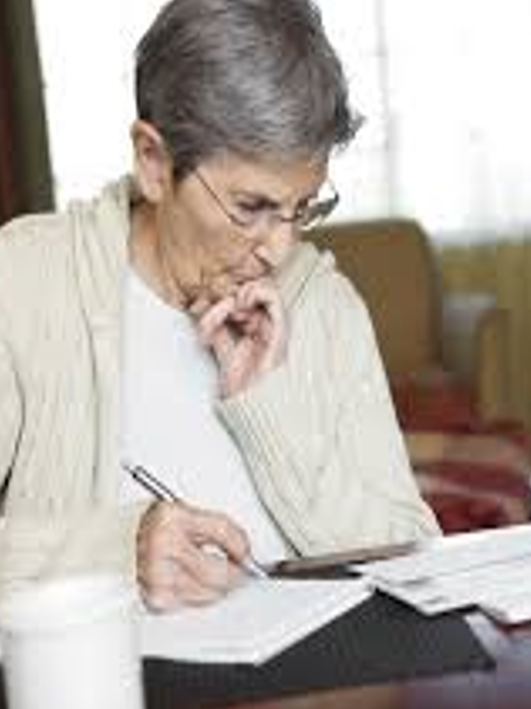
x=250, y=208
x=304, y=207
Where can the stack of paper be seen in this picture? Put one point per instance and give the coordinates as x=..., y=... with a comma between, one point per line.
x=511, y=608
x=253, y=623
x=491, y=569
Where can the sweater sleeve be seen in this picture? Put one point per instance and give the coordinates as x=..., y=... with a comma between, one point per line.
x=34, y=548
x=55, y=517
x=35, y=545
x=320, y=435
x=100, y=539
x=10, y=414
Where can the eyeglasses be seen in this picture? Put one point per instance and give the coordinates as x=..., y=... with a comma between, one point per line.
x=260, y=218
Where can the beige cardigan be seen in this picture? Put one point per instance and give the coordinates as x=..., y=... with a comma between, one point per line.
x=318, y=434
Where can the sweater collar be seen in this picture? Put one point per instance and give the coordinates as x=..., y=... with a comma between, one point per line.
x=101, y=230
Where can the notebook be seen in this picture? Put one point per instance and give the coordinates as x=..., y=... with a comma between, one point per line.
x=255, y=622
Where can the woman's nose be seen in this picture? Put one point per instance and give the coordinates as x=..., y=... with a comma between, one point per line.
x=276, y=245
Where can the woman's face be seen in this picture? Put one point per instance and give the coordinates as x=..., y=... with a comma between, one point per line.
x=228, y=222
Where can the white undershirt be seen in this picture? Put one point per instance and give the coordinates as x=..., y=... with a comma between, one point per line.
x=169, y=424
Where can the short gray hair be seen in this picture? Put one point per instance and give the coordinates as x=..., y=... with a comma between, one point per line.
x=254, y=77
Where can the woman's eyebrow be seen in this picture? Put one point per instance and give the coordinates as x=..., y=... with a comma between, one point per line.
x=257, y=197
x=267, y=200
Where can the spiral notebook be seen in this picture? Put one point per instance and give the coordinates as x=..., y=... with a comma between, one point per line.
x=253, y=623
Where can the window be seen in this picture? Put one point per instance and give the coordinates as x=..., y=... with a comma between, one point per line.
x=441, y=83
x=87, y=54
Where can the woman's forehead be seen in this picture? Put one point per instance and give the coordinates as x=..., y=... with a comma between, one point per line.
x=275, y=176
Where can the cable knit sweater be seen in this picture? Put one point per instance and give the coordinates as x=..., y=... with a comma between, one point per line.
x=318, y=434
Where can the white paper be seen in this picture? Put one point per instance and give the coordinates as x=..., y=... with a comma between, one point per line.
x=453, y=554
x=253, y=623
x=484, y=568
x=467, y=588
x=511, y=607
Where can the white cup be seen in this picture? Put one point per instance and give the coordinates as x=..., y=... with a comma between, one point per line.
x=72, y=644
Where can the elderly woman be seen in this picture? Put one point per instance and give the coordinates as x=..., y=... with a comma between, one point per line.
x=178, y=322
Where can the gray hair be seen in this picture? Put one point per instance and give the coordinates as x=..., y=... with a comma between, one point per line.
x=254, y=77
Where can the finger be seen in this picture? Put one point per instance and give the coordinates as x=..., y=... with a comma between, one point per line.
x=270, y=321
x=221, y=343
x=173, y=566
x=220, y=531
x=170, y=585
x=214, y=319
x=215, y=331
x=160, y=527
x=246, y=319
x=213, y=570
x=258, y=293
x=263, y=298
x=199, y=307
x=159, y=540
x=157, y=582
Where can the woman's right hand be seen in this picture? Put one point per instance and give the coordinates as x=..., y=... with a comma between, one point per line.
x=187, y=555
x=247, y=332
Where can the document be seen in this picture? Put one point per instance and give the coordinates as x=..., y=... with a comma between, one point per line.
x=253, y=623
x=510, y=608
x=489, y=568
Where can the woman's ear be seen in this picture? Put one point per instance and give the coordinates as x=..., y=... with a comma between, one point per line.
x=153, y=165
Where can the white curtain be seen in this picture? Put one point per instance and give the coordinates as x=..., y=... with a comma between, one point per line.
x=442, y=83
x=87, y=56
x=443, y=86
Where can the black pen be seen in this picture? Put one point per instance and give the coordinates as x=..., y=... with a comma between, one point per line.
x=162, y=492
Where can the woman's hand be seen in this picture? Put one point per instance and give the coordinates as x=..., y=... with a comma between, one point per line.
x=247, y=332
x=179, y=559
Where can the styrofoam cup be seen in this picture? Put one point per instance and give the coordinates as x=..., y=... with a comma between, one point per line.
x=72, y=643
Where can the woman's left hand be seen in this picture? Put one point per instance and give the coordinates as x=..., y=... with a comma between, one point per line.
x=247, y=332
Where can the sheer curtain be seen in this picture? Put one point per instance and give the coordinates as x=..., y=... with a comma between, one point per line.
x=442, y=85
x=460, y=113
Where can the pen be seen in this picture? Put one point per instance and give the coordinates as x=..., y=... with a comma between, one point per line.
x=162, y=492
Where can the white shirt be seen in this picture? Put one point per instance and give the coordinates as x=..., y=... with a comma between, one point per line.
x=170, y=384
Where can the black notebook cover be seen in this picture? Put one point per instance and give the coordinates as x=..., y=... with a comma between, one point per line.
x=379, y=641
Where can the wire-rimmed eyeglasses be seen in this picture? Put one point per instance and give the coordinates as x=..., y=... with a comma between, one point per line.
x=262, y=218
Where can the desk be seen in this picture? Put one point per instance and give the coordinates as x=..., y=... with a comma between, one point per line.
x=507, y=687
